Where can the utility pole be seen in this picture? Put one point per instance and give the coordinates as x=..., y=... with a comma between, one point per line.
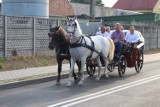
x=92, y=8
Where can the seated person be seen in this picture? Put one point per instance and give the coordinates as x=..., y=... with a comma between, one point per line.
x=102, y=32
x=109, y=32
x=118, y=38
x=132, y=38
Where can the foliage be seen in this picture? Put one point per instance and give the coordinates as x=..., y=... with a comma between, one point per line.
x=98, y=2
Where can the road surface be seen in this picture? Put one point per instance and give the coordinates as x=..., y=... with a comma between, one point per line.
x=132, y=90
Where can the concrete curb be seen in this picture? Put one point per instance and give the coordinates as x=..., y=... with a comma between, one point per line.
x=43, y=80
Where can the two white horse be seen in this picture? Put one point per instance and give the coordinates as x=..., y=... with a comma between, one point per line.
x=102, y=46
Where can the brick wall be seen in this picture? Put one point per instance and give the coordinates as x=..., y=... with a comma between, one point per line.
x=60, y=8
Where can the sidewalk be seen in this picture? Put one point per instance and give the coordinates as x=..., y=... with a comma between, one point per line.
x=13, y=76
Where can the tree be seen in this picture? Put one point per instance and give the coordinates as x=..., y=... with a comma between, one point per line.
x=98, y=2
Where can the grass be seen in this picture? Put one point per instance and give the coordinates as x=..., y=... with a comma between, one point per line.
x=23, y=62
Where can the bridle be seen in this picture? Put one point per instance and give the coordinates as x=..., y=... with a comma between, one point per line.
x=75, y=26
x=51, y=34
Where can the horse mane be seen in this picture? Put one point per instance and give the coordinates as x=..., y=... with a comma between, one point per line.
x=78, y=27
x=64, y=33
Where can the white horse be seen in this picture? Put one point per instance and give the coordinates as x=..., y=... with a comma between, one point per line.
x=79, y=49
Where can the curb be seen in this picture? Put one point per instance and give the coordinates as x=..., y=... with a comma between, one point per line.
x=43, y=80
x=31, y=82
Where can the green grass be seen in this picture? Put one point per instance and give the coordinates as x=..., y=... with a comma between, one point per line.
x=2, y=62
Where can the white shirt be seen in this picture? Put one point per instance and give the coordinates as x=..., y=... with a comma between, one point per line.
x=109, y=34
x=105, y=34
x=132, y=38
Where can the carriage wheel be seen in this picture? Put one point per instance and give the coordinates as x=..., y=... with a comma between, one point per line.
x=139, y=61
x=111, y=67
x=122, y=65
x=91, y=68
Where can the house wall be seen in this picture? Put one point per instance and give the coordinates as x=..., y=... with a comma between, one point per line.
x=60, y=8
x=101, y=11
x=156, y=8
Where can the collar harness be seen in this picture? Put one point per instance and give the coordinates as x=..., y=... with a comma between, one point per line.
x=80, y=44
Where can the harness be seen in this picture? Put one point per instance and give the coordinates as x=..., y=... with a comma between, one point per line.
x=80, y=44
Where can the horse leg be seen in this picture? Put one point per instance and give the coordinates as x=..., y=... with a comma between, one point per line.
x=99, y=68
x=74, y=75
x=59, y=71
x=79, y=67
x=71, y=72
x=105, y=69
x=83, y=60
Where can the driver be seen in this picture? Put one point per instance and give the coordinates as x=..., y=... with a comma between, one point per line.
x=132, y=38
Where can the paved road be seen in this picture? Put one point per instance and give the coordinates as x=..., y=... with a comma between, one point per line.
x=132, y=90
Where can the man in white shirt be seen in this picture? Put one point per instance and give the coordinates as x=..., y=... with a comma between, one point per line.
x=132, y=38
x=102, y=32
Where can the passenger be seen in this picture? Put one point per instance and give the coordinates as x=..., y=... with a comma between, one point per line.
x=119, y=38
x=109, y=32
x=102, y=32
x=132, y=38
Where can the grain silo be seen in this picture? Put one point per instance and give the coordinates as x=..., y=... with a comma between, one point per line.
x=38, y=8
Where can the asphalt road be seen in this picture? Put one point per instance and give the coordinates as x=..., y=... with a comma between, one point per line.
x=132, y=90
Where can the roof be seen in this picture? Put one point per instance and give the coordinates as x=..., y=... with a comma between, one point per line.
x=60, y=8
x=135, y=4
x=140, y=17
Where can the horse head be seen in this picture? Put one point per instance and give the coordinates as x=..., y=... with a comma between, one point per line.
x=57, y=35
x=73, y=27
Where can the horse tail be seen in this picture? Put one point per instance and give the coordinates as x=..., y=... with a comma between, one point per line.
x=112, y=48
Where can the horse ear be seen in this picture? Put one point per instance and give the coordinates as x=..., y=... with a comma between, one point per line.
x=68, y=18
x=75, y=18
x=59, y=28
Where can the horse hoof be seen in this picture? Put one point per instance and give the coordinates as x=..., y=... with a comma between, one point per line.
x=106, y=76
x=58, y=83
x=69, y=84
x=80, y=83
x=97, y=79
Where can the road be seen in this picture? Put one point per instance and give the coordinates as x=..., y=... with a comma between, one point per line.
x=132, y=90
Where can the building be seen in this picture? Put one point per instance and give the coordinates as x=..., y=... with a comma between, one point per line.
x=100, y=11
x=60, y=8
x=37, y=8
x=144, y=6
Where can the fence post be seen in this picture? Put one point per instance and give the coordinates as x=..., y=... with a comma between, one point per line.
x=58, y=22
x=157, y=37
x=150, y=37
x=5, y=36
x=34, y=36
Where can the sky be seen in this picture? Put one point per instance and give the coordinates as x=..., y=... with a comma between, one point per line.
x=109, y=3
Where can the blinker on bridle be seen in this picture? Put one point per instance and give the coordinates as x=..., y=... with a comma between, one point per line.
x=50, y=34
x=74, y=26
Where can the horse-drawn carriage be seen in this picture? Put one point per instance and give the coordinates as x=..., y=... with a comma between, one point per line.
x=78, y=47
x=127, y=59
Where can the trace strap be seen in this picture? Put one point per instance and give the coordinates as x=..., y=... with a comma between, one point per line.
x=80, y=44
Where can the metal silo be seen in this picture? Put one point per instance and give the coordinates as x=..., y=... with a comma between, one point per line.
x=39, y=8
